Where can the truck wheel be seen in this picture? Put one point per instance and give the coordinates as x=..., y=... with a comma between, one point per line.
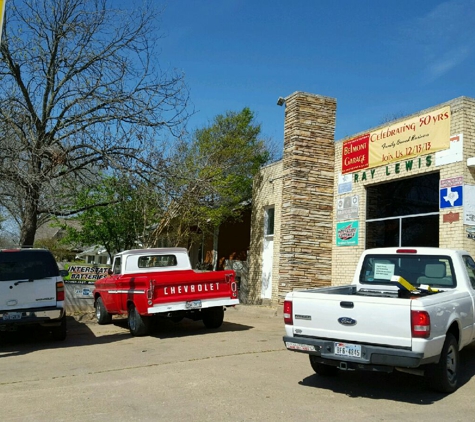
x=60, y=333
x=103, y=317
x=443, y=376
x=213, y=317
x=322, y=369
x=138, y=325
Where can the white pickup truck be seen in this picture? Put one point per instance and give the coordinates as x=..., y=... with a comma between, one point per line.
x=409, y=309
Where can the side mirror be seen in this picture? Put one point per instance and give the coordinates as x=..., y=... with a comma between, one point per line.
x=63, y=273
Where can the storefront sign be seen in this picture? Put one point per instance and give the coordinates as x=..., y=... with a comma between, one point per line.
x=452, y=155
x=84, y=274
x=451, y=217
x=396, y=168
x=469, y=206
x=451, y=197
x=344, y=183
x=83, y=293
x=347, y=233
x=452, y=181
x=451, y=192
x=408, y=139
x=347, y=208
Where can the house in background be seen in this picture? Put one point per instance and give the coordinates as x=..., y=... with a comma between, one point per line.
x=96, y=254
x=49, y=236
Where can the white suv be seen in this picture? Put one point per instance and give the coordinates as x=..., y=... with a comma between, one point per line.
x=32, y=291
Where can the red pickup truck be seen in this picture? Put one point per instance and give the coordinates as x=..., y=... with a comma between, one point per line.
x=144, y=283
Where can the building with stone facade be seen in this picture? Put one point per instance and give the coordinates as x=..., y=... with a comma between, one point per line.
x=409, y=182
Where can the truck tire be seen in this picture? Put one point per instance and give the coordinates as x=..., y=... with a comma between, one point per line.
x=60, y=333
x=322, y=369
x=443, y=376
x=138, y=325
x=103, y=317
x=213, y=317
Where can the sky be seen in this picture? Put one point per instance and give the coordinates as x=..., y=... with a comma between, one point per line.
x=380, y=59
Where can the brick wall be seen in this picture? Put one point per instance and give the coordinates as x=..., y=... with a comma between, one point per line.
x=303, y=187
x=466, y=126
x=451, y=235
x=267, y=191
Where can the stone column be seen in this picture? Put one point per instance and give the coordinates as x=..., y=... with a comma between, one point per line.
x=308, y=192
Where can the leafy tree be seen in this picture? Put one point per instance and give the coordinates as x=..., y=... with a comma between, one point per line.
x=60, y=251
x=81, y=92
x=119, y=225
x=213, y=175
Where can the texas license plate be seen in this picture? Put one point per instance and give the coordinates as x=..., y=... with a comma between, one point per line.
x=9, y=316
x=193, y=304
x=348, y=349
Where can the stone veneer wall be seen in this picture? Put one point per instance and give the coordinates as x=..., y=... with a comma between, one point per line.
x=307, y=196
x=451, y=235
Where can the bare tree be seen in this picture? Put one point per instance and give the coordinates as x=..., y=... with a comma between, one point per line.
x=81, y=92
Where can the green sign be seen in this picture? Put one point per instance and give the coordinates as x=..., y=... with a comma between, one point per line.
x=84, y=274
x=347, y=233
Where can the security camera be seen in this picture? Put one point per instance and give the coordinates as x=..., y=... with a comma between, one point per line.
x=281, y=101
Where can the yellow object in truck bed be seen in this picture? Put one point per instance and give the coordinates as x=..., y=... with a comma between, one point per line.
x=403, y=284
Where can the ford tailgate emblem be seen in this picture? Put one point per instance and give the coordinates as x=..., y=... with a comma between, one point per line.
x=347, y=321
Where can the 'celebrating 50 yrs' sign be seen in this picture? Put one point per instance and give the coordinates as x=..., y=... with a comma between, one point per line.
x=420, y=135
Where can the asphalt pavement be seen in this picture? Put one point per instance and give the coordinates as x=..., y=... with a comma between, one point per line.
x=183, y=371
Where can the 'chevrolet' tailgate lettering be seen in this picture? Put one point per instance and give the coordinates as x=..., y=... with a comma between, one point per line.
x=192, y=288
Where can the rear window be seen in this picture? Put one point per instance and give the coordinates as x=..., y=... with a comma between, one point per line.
x=159, y=261
x=416, y=269
x=27, y=265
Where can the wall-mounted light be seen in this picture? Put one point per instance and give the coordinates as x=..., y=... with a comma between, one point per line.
x=471, y=162
x=281, y=101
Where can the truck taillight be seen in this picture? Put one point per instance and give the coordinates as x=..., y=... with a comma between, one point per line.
x=60, y=291
x=420, y=324
x=288, y=320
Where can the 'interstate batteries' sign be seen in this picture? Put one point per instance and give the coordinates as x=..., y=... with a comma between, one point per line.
x=84, y=274
x=420, y=135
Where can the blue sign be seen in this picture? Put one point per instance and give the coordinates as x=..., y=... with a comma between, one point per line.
x=451, y=197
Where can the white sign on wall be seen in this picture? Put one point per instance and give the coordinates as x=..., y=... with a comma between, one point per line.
x=344, y=183
x=469, y=205
x=347, y=208
x=452, y=155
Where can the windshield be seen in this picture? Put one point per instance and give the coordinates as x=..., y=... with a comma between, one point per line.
x=27, y=265
x=416, y=269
